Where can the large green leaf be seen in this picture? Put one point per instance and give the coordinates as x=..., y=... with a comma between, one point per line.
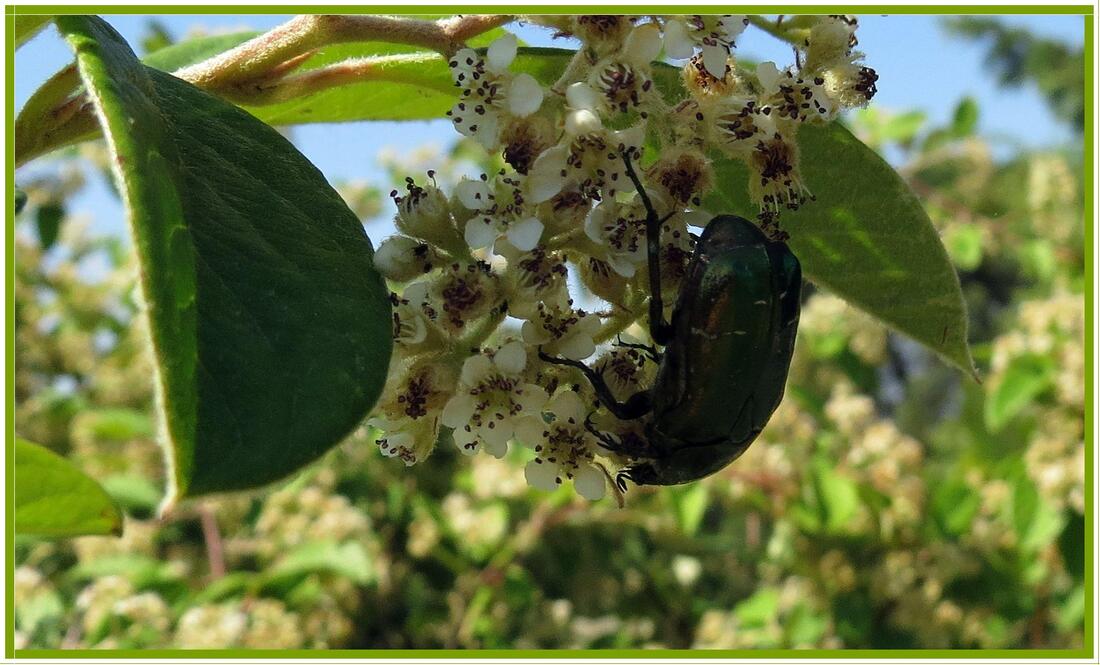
x=866, y=238
x=270, y=326
x=54, y=498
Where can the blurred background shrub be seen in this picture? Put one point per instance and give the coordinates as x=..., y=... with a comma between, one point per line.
x=892, y=502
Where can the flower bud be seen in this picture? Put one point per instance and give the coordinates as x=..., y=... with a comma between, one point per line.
x=425, y=213
x=400, y=258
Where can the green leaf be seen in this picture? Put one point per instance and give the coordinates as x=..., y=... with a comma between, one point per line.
x=194, y=50
x=903, y=127
x=954, y=505
x=132, y=492
x=118, y=424
x=966, y=118
x=271, y=328
x=54, y=498
x=47, y=220
x=964, y=244
x=27, y=26
x=865, y=238
x=1037, y=522
x=836, y=495
x=343, y=559
x=759, y=609
x=691, y=504
x=1025, y=378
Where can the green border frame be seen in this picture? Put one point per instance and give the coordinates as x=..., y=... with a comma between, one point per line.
x=1089, y=171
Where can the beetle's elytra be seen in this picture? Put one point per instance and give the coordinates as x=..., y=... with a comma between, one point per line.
x=727, y=351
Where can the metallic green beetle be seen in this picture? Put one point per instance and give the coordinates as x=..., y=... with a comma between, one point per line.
x=726, y=354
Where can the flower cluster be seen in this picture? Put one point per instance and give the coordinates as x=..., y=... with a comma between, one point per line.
x=480, y=277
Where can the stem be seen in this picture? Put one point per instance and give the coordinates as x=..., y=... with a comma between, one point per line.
x=260, y=57
x=214, y=552
x=358, y=70
x=576, y=63
x=777, y=30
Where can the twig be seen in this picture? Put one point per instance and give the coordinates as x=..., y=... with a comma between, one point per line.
x=215, y=554
x=259, y=58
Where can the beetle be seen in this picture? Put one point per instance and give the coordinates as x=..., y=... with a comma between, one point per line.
x=727, y=352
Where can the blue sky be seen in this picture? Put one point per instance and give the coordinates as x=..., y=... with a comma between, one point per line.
x=920, y=67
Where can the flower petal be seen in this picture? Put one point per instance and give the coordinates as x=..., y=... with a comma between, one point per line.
x=525, y=234
x=582, y=122
x=495, y=440
x=677, y=43
x=768, y=74
x=631, y=137
x=582, y=96
x=531, y=398
x=487, y=131
x=457, y=412
x=474, y=194
x=475, y=370
x=511, y=358
x=541, y=475
x=643, y=44
x=479, y=233
x=545, y=179
x=501, y=53
x=568, y=406
x=594, y=223
x=699, y=218
x=462, y=63
x=577, y=346
x=714, y=59
x=529, y=430
x=524, y=95
x=590, y=483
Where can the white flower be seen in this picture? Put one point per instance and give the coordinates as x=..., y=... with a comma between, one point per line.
x=491, y=397
x=413, y=317
x=564, y=448
x=739, y=123
x=715, y=34
x=562, y=331
x=794, y=98
x=590, y=159
x=534, y=277
x=620, y=228
x=465, y=292
x=502, y=208
x=424, y=212
x=626, y=370
x=491, y=95
x=410, y=439
x=623, y=80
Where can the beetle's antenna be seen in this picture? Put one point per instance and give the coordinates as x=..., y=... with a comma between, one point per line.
x=659, y=329
x=636, y=407
x=650, y=351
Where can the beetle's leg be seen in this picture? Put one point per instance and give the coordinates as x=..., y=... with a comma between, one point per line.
x=650, y=351
x=607, y=441
x=659, y=329
x=637, y=406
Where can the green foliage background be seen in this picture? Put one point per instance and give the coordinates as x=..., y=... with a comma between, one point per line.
x=892, y=502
